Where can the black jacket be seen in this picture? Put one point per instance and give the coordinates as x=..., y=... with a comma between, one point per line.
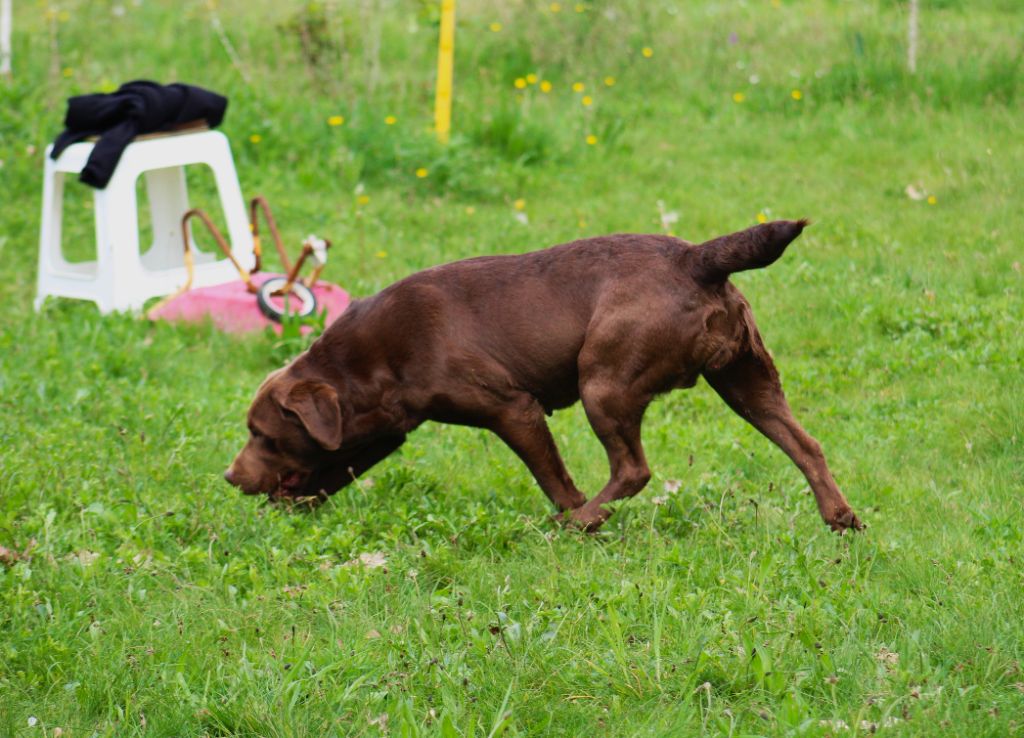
x=136, y=107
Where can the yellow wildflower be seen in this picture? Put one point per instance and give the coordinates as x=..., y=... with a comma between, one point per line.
x=68, y=71
x=738, y=97
x=762, y=218
x=495, y=26
x=609, y=81
x=335, y=120
x=520, y=83
x=579, y=7
x=422, y=172
x=382, y=254
x=555, y=7
x=545, y=86
x=255, y=138
x=591, y=139
x=796, y=95
x=363, y=200
x=647, y=51
x=470, y=210
x=390, y=120
x=932, y=199
x=587, y=100
x=519, y=204
x=531, y=78
x=578, y=87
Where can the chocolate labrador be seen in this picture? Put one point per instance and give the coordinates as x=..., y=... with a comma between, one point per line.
x=498, y=342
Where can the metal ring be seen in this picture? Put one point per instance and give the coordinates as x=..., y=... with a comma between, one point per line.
x=298, y=290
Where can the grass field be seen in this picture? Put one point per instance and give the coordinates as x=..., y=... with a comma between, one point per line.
x=140, y=595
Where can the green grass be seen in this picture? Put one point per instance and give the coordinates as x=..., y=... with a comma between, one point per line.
x=152, y=599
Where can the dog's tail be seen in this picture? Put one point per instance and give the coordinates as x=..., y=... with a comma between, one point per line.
x=750, y=249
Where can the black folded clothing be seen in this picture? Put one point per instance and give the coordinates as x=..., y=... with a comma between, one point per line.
x=136, y=107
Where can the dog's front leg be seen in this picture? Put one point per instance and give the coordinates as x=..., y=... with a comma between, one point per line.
x=522, y=426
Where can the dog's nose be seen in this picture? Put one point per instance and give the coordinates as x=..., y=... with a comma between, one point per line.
x=229, y=475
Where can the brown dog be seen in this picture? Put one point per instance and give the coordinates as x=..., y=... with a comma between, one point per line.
x=497, y=342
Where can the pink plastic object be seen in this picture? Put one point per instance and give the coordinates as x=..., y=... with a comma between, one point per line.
x=232, y=308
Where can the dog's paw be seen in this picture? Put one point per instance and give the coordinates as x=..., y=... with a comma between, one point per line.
x=586, y=518
x=844, y=521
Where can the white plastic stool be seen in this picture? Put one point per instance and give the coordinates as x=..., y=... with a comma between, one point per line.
x=123, y=276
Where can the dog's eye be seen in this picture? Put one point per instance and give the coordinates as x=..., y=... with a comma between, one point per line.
x=269, y=443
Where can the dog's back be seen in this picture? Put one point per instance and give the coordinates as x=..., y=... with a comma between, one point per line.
x=515, y=320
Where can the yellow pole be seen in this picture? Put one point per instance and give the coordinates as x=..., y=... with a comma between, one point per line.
x=445, y=68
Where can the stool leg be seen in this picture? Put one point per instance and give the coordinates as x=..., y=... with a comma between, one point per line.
x=235, y=214
x=50, y=256
x=120, y=274
x=168, y=201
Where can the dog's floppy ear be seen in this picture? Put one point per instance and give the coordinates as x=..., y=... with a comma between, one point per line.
x=317, y=406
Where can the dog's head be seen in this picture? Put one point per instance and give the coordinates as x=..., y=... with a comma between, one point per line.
x=294, y=427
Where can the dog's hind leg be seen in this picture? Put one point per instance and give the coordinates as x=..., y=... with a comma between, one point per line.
x=522, y=426
x=615, y=413
x=750, y=385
